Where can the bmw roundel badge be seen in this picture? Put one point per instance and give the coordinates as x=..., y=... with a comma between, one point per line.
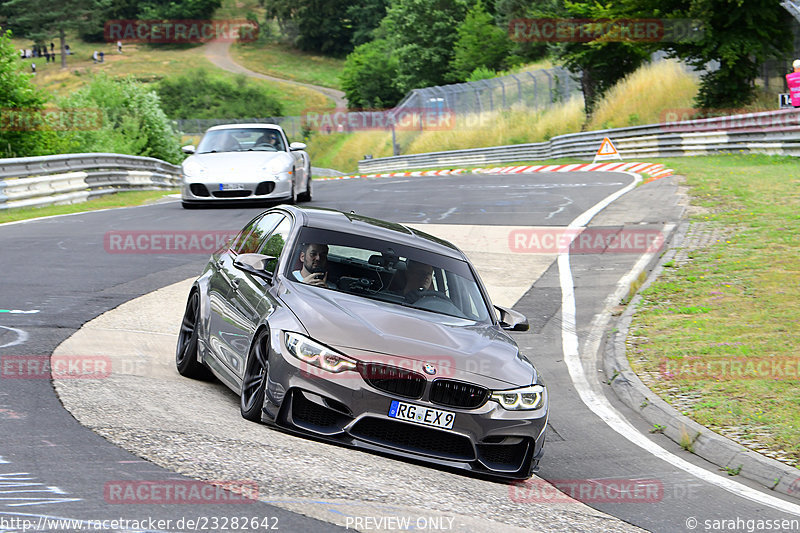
x=429, y=369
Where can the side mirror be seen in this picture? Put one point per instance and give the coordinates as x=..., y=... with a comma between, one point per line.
x=511, y=320
x=297, y=146
x=188, y=149
x=255, y=264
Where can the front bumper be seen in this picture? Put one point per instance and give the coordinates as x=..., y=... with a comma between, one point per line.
x=205, y=190
x=348, y=409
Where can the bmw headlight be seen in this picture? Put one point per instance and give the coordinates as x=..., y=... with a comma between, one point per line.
x=520, y=399
x=193, y=167
x=316, y=354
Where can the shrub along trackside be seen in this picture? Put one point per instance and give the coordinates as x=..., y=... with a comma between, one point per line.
x=717, y=334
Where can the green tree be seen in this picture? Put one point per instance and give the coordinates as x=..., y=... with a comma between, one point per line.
x=739, y=35
x=423, y=34
x=368, y=77
x=603, y=61
x=366, y=16
x=506, y=11
x=41, y=20
x=18, y=97
x=314, y=25
x=480, y=44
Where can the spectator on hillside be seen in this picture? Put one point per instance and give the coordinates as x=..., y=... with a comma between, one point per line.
x=119, y=46
x=94, y=56
x=102, y=56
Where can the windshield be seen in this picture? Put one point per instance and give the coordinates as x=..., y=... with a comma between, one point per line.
x=241, y=140
x=387, y=272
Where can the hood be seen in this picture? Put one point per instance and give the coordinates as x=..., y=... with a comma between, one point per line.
x=230, y=163
x=384, y=332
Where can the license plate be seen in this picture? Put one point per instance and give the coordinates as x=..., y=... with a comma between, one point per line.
x=419, y=414
x=231, y=186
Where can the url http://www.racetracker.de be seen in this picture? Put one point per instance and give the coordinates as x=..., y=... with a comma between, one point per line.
x=197, y=523
x=739, y=524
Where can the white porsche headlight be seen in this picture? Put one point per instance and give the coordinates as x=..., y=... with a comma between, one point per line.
x=277, y=166
x=193, y=167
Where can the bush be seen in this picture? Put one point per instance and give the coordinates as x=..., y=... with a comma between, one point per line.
x=132, y=121
x=18, y=96
x=200, y=95
x=368, y=77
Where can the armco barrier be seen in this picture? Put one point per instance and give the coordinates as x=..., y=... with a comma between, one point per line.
x=771, y=132
x=70, y=178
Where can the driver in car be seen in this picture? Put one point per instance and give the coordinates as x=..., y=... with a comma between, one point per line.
x=269, y=138
x=419, y=277
x=314, y=258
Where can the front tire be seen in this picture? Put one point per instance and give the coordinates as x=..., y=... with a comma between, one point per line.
x=186, y=352
x=255, y=378
x=306, y=196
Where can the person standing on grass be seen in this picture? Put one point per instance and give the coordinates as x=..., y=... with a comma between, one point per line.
x=793, y=81
x=119, y=46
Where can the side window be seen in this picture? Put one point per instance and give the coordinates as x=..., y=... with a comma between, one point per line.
x=274, y=243
x=251, y=236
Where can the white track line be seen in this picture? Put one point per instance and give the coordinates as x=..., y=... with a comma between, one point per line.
x=600, y=405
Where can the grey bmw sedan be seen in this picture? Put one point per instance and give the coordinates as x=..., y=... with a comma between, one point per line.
x=369, y=334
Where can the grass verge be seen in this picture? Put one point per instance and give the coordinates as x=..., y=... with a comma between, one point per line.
x=120, y=199
x=718, y=335
x=283, y=61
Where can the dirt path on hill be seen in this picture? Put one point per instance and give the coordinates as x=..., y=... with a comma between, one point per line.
x=219, y=54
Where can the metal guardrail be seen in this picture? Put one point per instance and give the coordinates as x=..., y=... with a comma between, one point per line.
x=70, y=178
x=771, y=132
x=37, y=181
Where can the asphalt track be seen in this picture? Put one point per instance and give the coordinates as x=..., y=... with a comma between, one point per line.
x=59, y=267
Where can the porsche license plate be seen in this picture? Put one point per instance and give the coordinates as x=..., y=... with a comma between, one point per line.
x=231, y=186
x=419, y=414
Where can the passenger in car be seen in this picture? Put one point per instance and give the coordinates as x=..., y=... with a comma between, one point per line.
x=419, y=277
x=314, y=258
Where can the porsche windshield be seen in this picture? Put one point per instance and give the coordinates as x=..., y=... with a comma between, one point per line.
x=388, y=272
x=241, y=140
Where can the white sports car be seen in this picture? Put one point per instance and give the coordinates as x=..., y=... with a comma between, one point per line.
x=245, y=162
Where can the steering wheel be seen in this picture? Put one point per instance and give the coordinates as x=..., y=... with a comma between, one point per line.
x=419, y=295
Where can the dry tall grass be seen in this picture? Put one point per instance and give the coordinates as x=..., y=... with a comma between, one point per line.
x=514, y=126
x=645, y=96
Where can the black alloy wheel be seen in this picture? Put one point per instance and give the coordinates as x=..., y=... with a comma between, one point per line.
x=186, y=352
x=255, y=377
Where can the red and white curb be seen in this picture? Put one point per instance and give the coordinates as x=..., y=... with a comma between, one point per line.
x=655, y=170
